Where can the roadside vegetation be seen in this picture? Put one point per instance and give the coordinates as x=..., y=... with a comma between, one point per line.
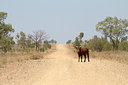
x=25, y=46
x=112, y=45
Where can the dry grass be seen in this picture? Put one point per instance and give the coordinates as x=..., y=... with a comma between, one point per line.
x=120, y=56
x=12, y=57
x=22, y=56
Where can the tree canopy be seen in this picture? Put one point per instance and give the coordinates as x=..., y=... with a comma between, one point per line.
x=6, y=41
x=81, y=36
x=113, y=28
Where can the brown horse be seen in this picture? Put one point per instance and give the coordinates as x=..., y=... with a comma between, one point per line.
x=82, y=51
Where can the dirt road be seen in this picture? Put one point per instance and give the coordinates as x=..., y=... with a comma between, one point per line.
x=61, y=68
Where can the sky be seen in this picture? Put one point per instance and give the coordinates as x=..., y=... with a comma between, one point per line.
x=62, y=20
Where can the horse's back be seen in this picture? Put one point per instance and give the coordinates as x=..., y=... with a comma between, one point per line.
x=84, y=49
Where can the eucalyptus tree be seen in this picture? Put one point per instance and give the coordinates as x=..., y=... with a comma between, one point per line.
x=6, y=40
x=52, y=41
x=81, y=36
x=113, y=28
x=21, y=39
x=69, y=41
x=76, y=42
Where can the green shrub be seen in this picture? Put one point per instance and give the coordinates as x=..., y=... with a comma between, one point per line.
x=42, y=49
x=95, y=44
x=47, y=46
x=107, y=46
x=123, y=46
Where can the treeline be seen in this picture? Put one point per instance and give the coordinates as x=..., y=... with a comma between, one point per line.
x=37, y=41
x=115, y=36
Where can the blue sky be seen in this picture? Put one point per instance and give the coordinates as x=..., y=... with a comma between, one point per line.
x=62, y=19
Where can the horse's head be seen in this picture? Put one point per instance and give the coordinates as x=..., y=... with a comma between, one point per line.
x=78, y=48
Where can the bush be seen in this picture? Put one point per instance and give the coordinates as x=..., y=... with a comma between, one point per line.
x=107, y=46
x=42, y=50
x=47, y=46
x=123, y=46
x=95, y=44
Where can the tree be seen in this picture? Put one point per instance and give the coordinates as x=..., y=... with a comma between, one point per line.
x=55, y=42
x=25, y=42
x=123, y=46
x=52, y=41
x=37, y=37
x=3, y=16
x=76, y=42
x=29, y=42
x=81, y=36
x=69, y=41
x=46, y=45
x=46, y=42
x=21, y=39
x=6, y=41
x=95, y=44
x=113, y=28
x=6, y=44
x=86, y=41
x=123, y=39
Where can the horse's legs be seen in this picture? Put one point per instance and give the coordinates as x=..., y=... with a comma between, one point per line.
x=81, y=58
x=85, y=58
x=88, y=56
x=78, y=58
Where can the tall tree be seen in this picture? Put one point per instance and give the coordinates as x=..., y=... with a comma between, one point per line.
x=76, y=42
x=29, y=42
x=113, y=28
x=46, y=45
x=6, y=41
x=37, y=37
x=21, y=39
x=55, y=41
x=24, y=41
x=52, y=41
x=69, y=41
x=81, y=36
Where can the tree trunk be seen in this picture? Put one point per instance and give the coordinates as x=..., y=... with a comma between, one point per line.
x=117, y=44
x=36, y=46
x=116, y=47
x=114, y=44
x=105, y=37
